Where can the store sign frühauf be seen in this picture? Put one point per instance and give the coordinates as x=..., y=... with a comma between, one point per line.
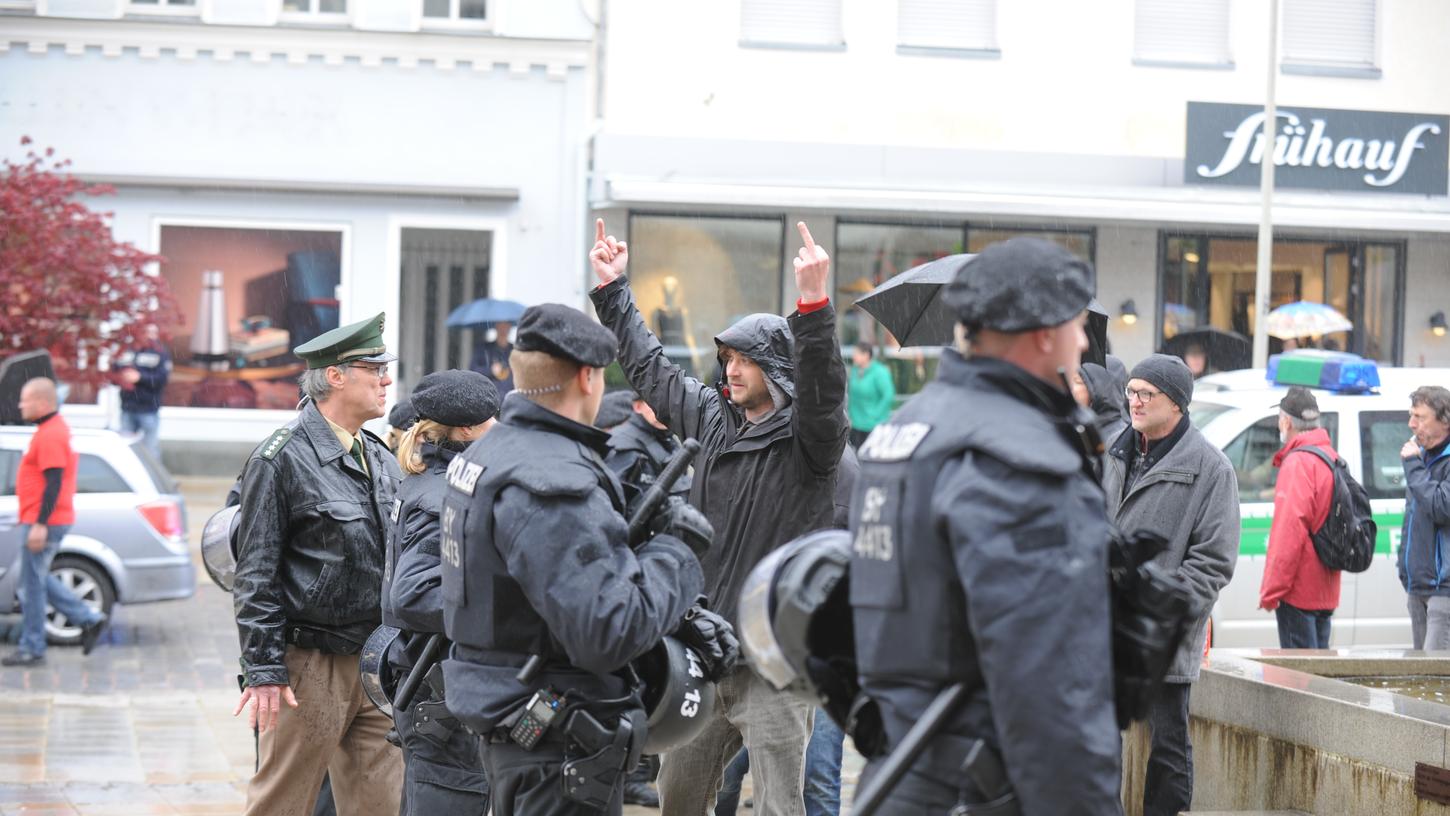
x=1319, y=148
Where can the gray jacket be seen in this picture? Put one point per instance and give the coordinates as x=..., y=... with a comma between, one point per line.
x=1191, y=498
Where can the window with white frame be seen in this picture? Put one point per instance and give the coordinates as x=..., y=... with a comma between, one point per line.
x=792, y=23
x=947, y=25
x=1181, y=33
x=1330, y=36
x=314, y=9
x=162, y=6
x=456, y=11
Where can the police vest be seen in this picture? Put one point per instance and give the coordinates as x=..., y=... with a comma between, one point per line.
x=486, y=613
x=909, y=608
x=420, y=490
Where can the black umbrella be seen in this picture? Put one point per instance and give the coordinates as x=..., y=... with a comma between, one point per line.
x=1225, y=350
x=1097, y=334
x=910, y=306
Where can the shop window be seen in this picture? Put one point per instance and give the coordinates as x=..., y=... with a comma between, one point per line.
x=947, y=25
x=248, y=297
x=868, y=255
x=693, y=276
x=1381, y=435
x=1079, y=243
x=1209, y=283
x=791, y=23
x=1330, y=37
x=1252, y=455
x=460, y=11
x=1181, y=33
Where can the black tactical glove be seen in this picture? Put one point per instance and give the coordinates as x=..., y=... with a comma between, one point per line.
x=680, y=519
x=713, y=639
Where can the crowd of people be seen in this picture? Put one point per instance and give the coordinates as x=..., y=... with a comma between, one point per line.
x=517, y=534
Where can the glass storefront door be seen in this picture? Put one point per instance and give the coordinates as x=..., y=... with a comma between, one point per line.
x=1208, y=282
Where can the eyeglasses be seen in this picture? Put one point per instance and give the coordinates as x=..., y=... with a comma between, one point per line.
x=379, y=371
x=1144, y=396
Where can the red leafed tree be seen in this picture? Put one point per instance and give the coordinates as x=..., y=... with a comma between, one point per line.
x=68, y=286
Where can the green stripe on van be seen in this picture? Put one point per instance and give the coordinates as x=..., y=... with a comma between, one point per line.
x=1254, y=533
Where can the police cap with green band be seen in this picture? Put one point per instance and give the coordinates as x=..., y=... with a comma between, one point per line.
x=360, y=342
x=1019, y=285
x=559, y=331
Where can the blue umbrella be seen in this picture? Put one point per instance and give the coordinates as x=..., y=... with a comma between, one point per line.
x=484, y=312
x=1305, y=319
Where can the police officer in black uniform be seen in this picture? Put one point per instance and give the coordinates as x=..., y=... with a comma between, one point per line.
x=980, y=555
x=536, y=562
x=444, y=772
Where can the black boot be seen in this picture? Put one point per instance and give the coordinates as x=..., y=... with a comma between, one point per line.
x=637, y=792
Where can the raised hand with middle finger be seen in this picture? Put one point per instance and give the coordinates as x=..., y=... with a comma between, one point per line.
x=609, y=257
x=812, y=268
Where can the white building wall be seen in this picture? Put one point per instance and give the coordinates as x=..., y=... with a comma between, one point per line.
x=1065, y=81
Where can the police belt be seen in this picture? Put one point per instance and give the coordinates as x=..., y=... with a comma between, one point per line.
x=327, y=641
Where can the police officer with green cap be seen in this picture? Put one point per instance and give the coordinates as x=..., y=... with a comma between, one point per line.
x=980, y=553
x=315, y=503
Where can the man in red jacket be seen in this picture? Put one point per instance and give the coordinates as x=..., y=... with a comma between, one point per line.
x=1300, y=590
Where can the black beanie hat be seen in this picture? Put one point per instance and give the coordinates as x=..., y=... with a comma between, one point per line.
x=1170, y=374
x=456, y=398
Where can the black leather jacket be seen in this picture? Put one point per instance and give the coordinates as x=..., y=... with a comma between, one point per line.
x=311, y=542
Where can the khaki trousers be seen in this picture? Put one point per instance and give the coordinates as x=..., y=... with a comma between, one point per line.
x=334, y=730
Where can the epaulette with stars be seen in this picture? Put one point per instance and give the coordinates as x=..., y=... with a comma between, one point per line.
x=274, y=443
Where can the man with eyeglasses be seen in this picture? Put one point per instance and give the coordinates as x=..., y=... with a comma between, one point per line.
x=1163, y=477
x=315, y=499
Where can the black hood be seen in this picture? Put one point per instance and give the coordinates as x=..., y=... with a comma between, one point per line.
x=1107, y=400
x=767, y=341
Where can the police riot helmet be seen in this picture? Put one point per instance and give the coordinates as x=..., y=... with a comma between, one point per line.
x=374, y=672
x=797, y=632
x=678, y=699
x=218, y=546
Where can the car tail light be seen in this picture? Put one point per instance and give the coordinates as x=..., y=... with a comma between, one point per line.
x=164, y=516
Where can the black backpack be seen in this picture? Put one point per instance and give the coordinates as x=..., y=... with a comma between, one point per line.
x=1346, y=539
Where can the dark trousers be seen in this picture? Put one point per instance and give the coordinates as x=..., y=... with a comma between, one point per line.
x=1168, y=783
x=1303, y=628
x=530, y=783
x=443, y=773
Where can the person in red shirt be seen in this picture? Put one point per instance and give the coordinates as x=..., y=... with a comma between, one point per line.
x=46, y=487
x=1297, y=587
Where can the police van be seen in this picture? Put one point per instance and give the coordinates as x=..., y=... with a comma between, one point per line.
x=1238, y=411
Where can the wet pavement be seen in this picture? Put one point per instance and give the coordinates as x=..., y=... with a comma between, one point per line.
x=144, y=724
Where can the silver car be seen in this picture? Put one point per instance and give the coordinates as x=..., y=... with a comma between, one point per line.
x=128, y=544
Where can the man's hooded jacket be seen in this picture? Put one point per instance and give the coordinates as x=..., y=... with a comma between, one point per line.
x=759, y=484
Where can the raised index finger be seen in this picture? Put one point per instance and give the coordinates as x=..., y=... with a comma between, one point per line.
x=806, y=236
x=599, y=229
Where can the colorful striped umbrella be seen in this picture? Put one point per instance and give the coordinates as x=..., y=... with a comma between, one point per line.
x=1305, y=319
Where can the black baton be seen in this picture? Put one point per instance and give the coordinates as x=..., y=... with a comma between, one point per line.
x=942, y=707
x=420, y=670
x=649, y=502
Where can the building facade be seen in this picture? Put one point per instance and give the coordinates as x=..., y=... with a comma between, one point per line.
x=905, y=131
x=302, y=164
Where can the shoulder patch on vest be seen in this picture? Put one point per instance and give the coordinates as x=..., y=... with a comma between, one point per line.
x=463, y=475
x=890, y=442
x=274, y=443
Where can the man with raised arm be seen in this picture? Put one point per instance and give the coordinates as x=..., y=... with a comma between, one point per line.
x=771, y=436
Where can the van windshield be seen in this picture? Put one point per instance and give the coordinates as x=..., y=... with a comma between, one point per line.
x=1201, y=413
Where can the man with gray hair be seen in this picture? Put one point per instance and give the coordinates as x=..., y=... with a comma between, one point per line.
x=1297, y=587
x=1424, y=556
x=315, y=500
